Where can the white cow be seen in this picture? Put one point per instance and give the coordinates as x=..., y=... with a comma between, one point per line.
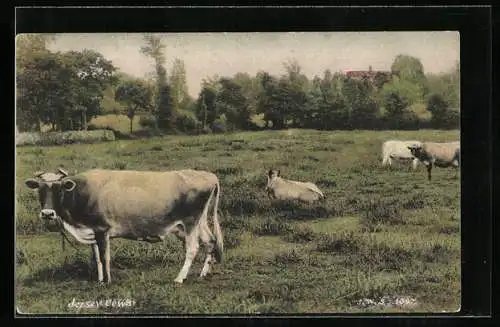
x=98, y=205
x=398, y=150
x=284, y=189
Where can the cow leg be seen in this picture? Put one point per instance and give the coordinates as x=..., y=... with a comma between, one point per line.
x=415, y=163
x=179, y=232
x=208, y=239
x=429, y=169
x=384, y=161
x=104, y=252
x=456, y=165
x=192, y=246
x=96, y=262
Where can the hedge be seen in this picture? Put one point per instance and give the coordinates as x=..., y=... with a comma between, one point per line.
x=61, y=138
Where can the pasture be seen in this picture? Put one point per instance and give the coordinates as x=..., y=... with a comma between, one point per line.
x=381, y=231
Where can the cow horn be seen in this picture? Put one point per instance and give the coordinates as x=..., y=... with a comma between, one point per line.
x=39, y=173
x=62, y=171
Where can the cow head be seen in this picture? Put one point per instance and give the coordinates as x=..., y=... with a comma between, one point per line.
x=415, y=149
x=271, y=177
x=52, y=187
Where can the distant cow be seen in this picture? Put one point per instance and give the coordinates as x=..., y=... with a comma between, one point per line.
x=284, y=189
x=98, y=205
x=437, y=154
x=398, y=150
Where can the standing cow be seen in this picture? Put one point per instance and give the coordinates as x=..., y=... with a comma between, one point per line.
x=284, y=189
x=398, y=150
x=437, y=154
x=98, y=205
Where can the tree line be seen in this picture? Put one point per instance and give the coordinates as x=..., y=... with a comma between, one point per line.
x=65, y=90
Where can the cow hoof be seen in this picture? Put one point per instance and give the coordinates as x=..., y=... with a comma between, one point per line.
x=178, y=280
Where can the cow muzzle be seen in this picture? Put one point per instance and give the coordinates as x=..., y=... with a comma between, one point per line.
x=48, y=214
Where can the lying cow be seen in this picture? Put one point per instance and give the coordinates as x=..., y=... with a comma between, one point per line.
x=398, y=150
x=437, y=154
x=284, y=189
x=98, y=205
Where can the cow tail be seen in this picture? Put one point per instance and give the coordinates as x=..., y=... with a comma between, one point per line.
x=219, y=241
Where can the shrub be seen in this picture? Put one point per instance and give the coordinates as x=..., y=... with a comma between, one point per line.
x=57, y=138
x=147, y=121
x=221, y=125
x=187, y=124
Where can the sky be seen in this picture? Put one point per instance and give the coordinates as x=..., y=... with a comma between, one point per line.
x=224, y=54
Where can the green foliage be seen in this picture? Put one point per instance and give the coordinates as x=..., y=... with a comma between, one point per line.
x=232, y=103
x=178, y=83
x=61, y=89
x=136, y=95
x=438, y=107
x=206, y=108
x=187, y=123
x=164, y=110
x=394, y=104
x=61, y=138
x=410, y=69
x=147, y=121
x=361, y=107
x=410, y=92
x=447, y=85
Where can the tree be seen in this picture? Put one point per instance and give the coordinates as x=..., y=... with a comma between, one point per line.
x=178, y=83
x=33, y=60
x=438, y=108
x=91, y=75
x=410, y=69
x=136, y=95
x=296, y=86
x=206, y=109
x=412, y=93
x=271, y=101
x=164, y=111
x=395, y=105
x=232, y=103
x=447, y=85
x=361, y=108
x=250, y=88
x=381, y=79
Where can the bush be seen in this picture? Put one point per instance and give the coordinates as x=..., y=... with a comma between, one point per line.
x=448, y=120
x=221, y=125
x=56, y=138
x=187, y=124
x=147, y=121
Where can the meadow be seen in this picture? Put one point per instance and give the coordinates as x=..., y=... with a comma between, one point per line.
x=380, y=232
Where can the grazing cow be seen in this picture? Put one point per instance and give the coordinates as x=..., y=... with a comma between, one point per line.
x=398, y=150
x=98, y=205
x=437, y=154
x=284, y=189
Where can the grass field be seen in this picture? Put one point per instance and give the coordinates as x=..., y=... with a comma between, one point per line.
x=380, y=231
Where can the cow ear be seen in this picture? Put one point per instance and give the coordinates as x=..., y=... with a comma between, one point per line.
x=270, y=173
x=69, y=185
x=32, y=183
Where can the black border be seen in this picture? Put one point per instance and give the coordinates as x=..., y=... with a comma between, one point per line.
x=474, y=24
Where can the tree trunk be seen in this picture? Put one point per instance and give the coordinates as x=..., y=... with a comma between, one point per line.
x=83, y=125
